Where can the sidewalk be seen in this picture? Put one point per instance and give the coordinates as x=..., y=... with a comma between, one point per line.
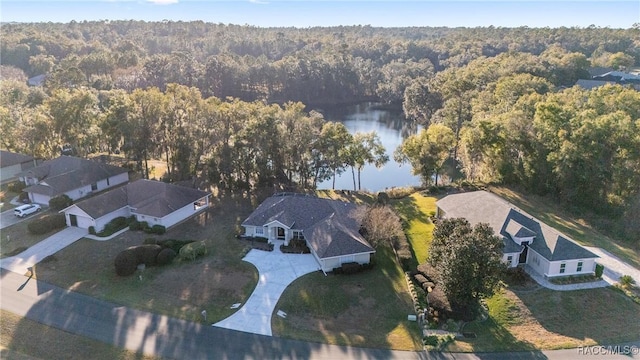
x=570, y=287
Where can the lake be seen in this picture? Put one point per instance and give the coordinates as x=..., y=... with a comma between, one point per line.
x=391, y=128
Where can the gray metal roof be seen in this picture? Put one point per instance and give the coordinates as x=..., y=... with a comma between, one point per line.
x=145, y=197
x=66, y=173
x=329, y=226
x=485, y=207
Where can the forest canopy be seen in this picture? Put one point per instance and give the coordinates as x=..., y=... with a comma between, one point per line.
x=233, y=105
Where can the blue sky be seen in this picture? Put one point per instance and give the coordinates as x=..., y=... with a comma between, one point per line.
x=306, y=13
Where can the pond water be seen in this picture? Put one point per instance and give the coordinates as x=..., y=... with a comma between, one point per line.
x=391, y=128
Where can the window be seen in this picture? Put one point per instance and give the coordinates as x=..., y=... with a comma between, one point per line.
x=259, y=230
x=509, y=259
x=94, y=186
x=107, y=181
x=297, y=234
x=579, y=268
x=562, y=268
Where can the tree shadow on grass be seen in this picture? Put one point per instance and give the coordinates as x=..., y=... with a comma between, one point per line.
x=587, y=316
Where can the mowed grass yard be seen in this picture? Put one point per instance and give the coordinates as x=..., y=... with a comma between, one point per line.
x=182, y=289
x=368, y=309
x=536, y=318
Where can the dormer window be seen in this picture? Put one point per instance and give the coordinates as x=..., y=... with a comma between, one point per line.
x=519, y=233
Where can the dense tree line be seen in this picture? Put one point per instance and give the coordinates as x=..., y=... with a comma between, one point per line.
x=229, y=144
x=314, y=65
x=495, y=104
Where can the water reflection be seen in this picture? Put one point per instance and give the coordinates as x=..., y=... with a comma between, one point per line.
x=392, y=128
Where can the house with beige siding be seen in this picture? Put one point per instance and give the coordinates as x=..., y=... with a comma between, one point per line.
x=527, y=240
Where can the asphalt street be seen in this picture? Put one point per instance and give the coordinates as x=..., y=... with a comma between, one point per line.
x=7, y=219
x=178, y=339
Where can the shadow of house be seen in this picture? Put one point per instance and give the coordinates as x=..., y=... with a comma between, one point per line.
x=157, y=334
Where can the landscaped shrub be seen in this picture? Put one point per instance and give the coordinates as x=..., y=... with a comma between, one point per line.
x=515, y=276
x=350, y=268
x=134, y=224
x=428, y=271
x=165, y=256
x=126, y=262
x=626, y=281
x=158, y=229
x=383, y=198
x=47, y=223
x=405, y=257
x=60, y=202
x=193, y=250
x=114, y=226
x=92, y=230
x=147, y=254
x=16, y=186
x=599, y=270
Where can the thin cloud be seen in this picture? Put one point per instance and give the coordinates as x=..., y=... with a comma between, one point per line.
x=260, y=2
x=163, y=2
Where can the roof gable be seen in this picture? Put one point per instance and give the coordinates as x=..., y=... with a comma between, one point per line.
x=329, y=225
x=482, y=206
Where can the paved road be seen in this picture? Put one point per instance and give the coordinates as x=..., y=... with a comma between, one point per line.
x=178, y=339
x=7, y=219
x=276, y=271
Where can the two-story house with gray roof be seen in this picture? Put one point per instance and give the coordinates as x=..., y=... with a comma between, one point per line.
x=329, y=227
x=71, y=176
x=526, y=239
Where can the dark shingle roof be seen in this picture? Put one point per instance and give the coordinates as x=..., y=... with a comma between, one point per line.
x=482, y=206
x=145, y=197
x=66, y=173
x=592, y=84
x=328, y=225
x=8, y=158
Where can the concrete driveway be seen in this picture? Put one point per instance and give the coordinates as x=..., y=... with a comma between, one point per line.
x=614, y=267
x=276, y=272
x=49, y=246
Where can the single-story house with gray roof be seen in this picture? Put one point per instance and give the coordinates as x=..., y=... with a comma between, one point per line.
x=71, y=176
x=11, y=164
x=155, y=202
x=329, y=227
x=526, y=239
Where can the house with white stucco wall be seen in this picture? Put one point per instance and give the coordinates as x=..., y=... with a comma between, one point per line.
x=527, y=240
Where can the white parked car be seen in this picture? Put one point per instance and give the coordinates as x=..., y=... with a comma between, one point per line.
x=24, y=210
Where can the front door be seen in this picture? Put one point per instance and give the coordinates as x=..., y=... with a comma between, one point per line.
x=280, y=233
x=73, y=219
x=523, y=254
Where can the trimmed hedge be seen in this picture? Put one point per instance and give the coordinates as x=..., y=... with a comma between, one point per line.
x=166, y=256
x=147, y=254
x=193, y=250
x=599, y=270
x=47, y=223
x=60, y=202
x=126, y=262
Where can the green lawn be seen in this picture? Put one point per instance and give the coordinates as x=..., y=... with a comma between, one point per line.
x=415, y=210
x=552, y=214
x=368, y=309
x=546, y=319
x=17, y=238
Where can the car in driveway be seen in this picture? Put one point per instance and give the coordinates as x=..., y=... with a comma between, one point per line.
x=24, y=210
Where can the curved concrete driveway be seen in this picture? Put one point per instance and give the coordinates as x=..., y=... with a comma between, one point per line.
x=49, y=246
x=276, y=271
